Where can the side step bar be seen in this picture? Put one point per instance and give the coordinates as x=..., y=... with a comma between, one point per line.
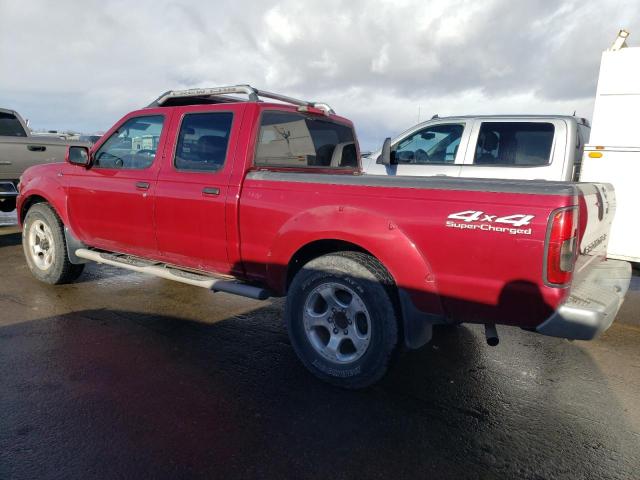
x=170, y=273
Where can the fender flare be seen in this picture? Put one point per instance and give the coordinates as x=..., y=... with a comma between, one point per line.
x=51, y=191
x=420, y=303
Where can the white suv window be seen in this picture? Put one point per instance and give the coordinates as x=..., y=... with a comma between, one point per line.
x=436, y=144
x=516, y=144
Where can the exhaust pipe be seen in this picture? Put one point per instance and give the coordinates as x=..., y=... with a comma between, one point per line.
x=492, y=334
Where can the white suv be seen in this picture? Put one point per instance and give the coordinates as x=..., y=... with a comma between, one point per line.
x=496, y=146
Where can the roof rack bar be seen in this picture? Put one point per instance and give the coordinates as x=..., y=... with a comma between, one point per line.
x=207, y=92
x=294, y=101
x=251, y=92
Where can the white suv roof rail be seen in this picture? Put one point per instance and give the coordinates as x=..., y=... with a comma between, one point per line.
x=218, y=95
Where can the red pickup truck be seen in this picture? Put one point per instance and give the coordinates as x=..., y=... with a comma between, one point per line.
x=266, y=198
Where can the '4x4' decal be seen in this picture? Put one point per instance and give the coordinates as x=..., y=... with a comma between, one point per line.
x=477, y=220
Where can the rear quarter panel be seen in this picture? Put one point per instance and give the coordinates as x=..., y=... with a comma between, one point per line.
x=474, y=275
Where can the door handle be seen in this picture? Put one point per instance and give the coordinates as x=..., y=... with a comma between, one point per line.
x=211, y=191
x=36, y=148
x=142, y=185
x=5, y=162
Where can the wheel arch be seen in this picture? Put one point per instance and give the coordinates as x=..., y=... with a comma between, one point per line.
x=71, y=240
x=330, y=229
x=315, y=249
x=335, y=229
x=42, y=190
x=29, y=202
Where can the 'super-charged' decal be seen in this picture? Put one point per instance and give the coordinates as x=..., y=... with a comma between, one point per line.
x=475, y=220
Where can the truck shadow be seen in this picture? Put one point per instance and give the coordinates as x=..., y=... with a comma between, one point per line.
x=142, y=395
x=9, y=238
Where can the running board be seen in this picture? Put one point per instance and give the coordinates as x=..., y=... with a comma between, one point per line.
x=171, y=273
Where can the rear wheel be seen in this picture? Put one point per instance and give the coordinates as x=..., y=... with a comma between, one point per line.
x=45, y=248
x=341, y=318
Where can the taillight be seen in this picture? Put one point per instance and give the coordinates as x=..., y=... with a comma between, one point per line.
x=562, y=245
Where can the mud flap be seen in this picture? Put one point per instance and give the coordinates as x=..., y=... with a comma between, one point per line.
x=73, y=244
x=417, y=325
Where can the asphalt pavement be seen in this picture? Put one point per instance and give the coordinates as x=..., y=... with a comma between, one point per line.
x=121, y=375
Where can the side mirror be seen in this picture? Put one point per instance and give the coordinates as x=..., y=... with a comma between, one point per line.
x=77, y=155
x=387, y=157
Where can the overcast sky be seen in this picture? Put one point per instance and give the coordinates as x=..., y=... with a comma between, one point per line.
x=384, y=64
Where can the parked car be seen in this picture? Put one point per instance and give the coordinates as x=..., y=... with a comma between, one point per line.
x=49, y=134
x=613, y=152
x=541, y=147
x=90, y=138
x=19, y=150
x=260, y=199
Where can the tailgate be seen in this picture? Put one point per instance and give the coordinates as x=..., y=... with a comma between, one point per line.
x=598, y=286
x=597, y=208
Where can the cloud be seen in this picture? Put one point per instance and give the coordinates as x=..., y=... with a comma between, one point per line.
x=83, y=65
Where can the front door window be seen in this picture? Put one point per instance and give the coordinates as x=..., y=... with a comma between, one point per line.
x=437, y=144
x=133, y=146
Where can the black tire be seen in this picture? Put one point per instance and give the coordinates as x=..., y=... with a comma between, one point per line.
x=357, y=273
x=60, y=269
x=8, y=205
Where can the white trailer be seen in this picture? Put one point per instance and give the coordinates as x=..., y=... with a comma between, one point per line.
x=613, y=152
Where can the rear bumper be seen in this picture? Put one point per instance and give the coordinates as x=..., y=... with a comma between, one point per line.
x=592, y=304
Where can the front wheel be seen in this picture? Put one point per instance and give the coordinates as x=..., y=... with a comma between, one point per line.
x=45, y=248
x=341, y=318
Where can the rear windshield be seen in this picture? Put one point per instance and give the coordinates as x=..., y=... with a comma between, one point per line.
x=10, y=126
x=517, y=144
x=297, y=140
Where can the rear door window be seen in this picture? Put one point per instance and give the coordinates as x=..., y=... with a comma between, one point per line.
x=515, y=144
x=297, y=140
x=437, y=144
x=203, y=141
x=10, y=126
